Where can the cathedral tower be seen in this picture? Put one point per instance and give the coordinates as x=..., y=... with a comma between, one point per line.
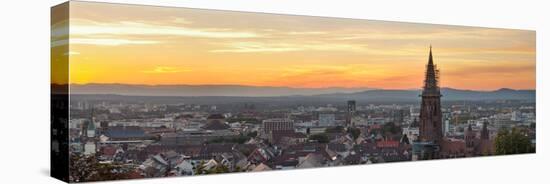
x=430, y=110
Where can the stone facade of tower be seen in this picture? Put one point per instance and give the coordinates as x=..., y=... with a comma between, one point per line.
x=470, y=140
x=431, y=144
x=430, y=110
x=484, y=132
x=351, y=108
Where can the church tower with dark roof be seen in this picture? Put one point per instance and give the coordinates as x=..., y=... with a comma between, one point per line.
x=484, y=131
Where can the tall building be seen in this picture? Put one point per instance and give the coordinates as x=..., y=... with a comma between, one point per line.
x=91, y=129
x=269, y=125
x=469, y=137
x=430, y=109
x=428, y=144
x=351, y=108
x=326, y=119
x=484, y=131
x=446, y=129
x=431, y=143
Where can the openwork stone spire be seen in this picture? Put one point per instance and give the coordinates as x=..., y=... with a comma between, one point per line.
x=431, y=82
x=430, y=110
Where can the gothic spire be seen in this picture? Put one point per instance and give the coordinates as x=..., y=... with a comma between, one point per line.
x=430, y=111
x=431, y=81
x=430, y=60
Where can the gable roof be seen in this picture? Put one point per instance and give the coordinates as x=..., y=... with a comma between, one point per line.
x=311, y=160
x=261, y=167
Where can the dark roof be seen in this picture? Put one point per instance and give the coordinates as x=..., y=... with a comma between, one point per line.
x=182, y=149
x=215, y=125
x=216, y=116
x=338, y=147
x=306, y=147
x=185, y=116
x=287, y=163
x=125, y=132
x=210, y=149
x=353, y=159
x=278, y=135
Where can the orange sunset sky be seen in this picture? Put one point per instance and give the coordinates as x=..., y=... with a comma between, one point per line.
x=157, y=45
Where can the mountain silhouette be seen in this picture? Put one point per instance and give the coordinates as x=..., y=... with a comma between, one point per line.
x=238, y=93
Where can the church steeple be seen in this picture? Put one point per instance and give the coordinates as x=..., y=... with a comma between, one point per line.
x=484, y=131
x=431, y=86
x=431, y=59
x=430, y=110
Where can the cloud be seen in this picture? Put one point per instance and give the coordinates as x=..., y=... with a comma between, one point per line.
x=434, y=34
x=110, y=42
x=80, y=27
x=166, y=69
x=500, y=70
x=101, y=42
x=306, y=33
x=71, y=53
x=59, y=42
x=181, y=20
x=246, y=47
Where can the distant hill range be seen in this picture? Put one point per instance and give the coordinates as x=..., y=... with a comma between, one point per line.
x=204, y=90
x=236, y=93
x=448, y=94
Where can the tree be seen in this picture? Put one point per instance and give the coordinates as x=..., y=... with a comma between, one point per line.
x=336, y=129
x=355, y=132
x=218, y=169
x=391, y=128
x=200, y=168
x=87, y=168
x=252, y=134
x=238, y=169
x=321, y=138
x=80, y=167
x=405, y=139
x=512, y=142
x=109, y=172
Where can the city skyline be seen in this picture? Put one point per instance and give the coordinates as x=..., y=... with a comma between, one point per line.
x=147, y=92
x=174, y=46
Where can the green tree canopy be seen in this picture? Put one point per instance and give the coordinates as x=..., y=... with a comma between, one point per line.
x=87, y=168
x=512, y=142
x=391, y=128
x=336, y=129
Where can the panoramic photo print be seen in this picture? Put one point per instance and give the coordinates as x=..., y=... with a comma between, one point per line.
x=161, y=91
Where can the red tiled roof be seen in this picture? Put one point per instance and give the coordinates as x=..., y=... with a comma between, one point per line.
x=453, y=146
x=375, y=126
x=108, y=150
x=387, y=144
